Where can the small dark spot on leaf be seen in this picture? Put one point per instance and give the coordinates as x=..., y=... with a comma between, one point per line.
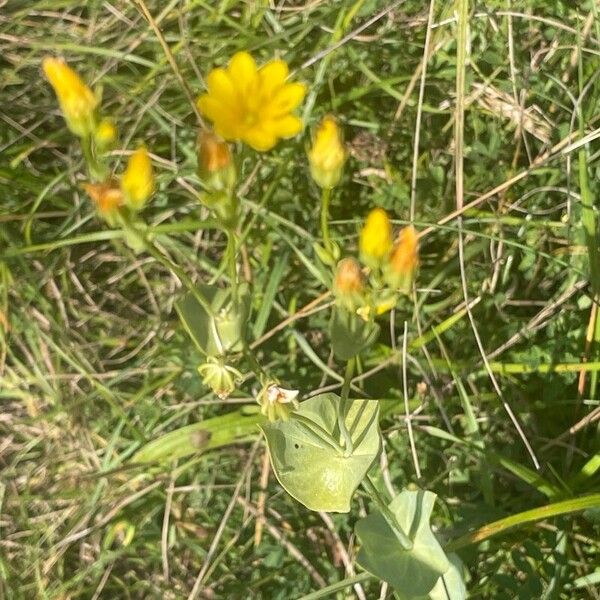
x=296, y=446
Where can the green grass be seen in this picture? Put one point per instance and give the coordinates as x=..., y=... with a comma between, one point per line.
x=94, y=363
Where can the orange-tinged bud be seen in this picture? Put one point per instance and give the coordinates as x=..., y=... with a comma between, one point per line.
x=106, y=196
x=403, y=260
x=77, y=101
x=137, y=182
x=348, y=277
x=213, y=153
x=327, y=155
x=376, y=238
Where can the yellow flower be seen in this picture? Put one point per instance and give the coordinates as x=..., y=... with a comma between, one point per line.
x=137, y=182
x=252, y=104
x=403, y=260
x=77, y=102
x=376, y=238
x=327, y=155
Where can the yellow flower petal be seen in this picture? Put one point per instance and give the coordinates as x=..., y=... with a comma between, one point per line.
x=221, y=87
x=287, y=99
x=223, y=116
x=243, y=72
x=260, y=138
x=272, y=77
x=286, y=127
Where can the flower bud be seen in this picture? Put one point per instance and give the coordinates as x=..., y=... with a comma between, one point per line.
x=277, y=402
x=375, y=238
x=348, y=284
x=105, y=135
x=327, y=155
x=137, y=182
x=77, y=101
x=403, y=262
x=107, y=197
x=215, y=163
x=221, y=378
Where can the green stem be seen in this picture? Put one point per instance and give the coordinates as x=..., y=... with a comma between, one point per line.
x=388, y=515
x=231, y=253
x=97, y=171
x=325, y=198
x=166, y=262
x=342, y=408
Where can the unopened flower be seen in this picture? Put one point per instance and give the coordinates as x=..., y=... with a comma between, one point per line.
x=327, y=155
x=137, y=182
x=105, y=135
x=221, y=378
x=252, y=104
x=107, y=197
x=348, y=284
x=403, y=262
x=215, y=163
x=77, y=101
x=376, y=238
x=277, y=402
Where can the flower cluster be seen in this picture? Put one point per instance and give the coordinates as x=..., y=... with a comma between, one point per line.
x=80, y=106
x=389, y=267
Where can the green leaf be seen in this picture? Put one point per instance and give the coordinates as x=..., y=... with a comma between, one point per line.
x=312, y=470
x=450, y=585
x=226, y=331
x=413, y=573
x=350, y=334
x=234, y=427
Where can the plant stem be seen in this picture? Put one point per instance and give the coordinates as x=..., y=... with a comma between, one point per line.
x=97, y=171
x=388, y=515
x=342, y=408
x=325, y=198
x=166, y=262
x=232, y=266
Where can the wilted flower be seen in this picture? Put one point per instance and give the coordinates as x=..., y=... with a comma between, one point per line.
x=277, y=402
x=403, y=261
x=107, y=197
x=252, y=104
x=137, y=182
x=221, y=378
x=77, y=101
x=327, y=155
x=376, y=238
x=105, y=135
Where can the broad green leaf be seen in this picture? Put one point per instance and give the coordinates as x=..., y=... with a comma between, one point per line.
x=314, y=472
x=234, y=427
x=350, y=334
x=450, y=585
x=413, y=573
x=223, y=333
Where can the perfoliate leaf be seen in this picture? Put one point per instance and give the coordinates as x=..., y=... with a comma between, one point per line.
x=226, y=331
x=413, y=573
x=311, y=470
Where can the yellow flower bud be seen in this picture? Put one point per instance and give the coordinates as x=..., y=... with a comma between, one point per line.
x=327, y=155
x=105, y=135
x=77, y=101
x=376, y=238
x=404, y=260
x=137, y=182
